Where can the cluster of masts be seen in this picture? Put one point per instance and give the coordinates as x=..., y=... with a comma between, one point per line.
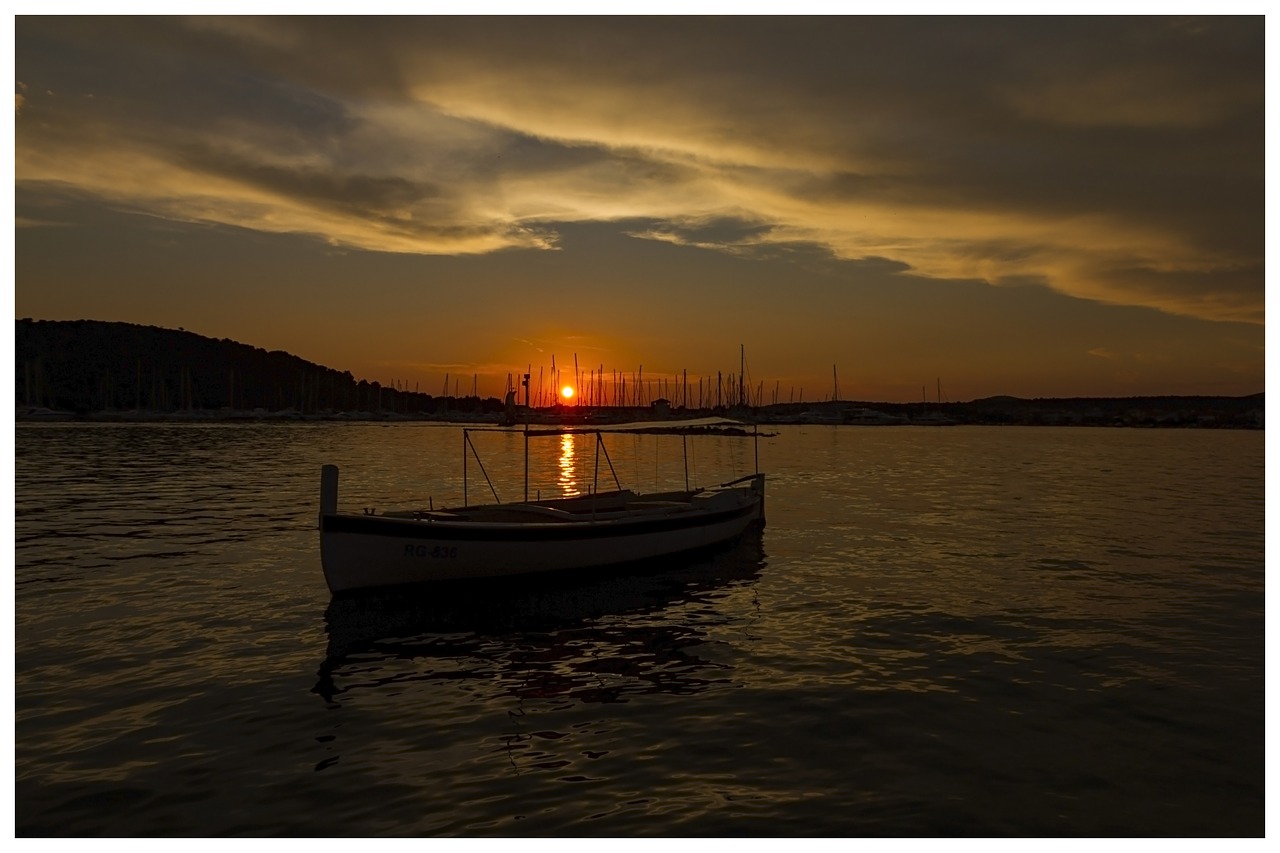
x=596, y=387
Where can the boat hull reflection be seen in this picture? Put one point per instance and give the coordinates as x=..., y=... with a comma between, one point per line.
x=494, y=628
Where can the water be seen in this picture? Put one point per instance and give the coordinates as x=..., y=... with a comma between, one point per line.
x=948, y=631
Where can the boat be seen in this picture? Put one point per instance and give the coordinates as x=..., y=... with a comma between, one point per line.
x=814, y=417
x=601, y=530
x=932, y=419
x=871, y=417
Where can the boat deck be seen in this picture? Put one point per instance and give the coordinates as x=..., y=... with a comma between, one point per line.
x=574, y=509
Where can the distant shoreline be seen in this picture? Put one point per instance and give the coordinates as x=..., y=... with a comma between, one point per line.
x=107, y=372
x=1139, y=412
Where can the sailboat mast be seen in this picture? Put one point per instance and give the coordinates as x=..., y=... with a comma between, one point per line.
x=742, y=371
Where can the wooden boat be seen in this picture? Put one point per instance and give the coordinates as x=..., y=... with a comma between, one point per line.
x=596, y=530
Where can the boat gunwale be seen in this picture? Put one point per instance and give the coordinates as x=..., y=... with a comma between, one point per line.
x=408, y=528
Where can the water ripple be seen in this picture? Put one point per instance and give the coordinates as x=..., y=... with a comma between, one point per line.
x=940, y=632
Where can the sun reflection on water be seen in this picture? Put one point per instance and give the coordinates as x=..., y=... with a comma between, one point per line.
x=568, y=481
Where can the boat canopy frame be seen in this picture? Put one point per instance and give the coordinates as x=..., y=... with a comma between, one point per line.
x=598, y=431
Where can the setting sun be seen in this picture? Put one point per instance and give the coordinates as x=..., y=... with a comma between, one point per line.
x=566, y=392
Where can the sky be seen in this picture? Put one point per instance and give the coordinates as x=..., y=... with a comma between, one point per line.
x=891, y=208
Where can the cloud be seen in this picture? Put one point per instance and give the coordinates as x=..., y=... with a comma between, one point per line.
x=29, y=222
x=1117, y=160
x=1141, y=97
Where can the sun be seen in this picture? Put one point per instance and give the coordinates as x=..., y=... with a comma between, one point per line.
x=566, y=392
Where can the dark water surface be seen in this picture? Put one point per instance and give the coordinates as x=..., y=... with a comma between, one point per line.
x=947, y=631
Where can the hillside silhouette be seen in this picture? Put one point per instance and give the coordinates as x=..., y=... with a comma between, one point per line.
x=87, y=366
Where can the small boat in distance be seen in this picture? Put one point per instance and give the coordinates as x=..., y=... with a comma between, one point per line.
x=603, y=530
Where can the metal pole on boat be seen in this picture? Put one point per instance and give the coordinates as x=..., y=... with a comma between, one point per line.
x=616, y=481
x=595, y=478
x=466, y=441
x=684, y=444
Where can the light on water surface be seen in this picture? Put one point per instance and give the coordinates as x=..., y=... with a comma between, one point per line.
x=568, y=484
x=959, y=631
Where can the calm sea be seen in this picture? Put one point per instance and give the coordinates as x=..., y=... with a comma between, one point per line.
x=941, y=631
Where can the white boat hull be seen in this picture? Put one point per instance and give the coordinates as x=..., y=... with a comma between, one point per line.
x=363, y=551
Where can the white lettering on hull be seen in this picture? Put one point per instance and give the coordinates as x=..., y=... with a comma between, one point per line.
x=438, y=552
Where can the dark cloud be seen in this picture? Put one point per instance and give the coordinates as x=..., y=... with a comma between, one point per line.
x=353, y=193
x=1214, y=292
x=1079, y=151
